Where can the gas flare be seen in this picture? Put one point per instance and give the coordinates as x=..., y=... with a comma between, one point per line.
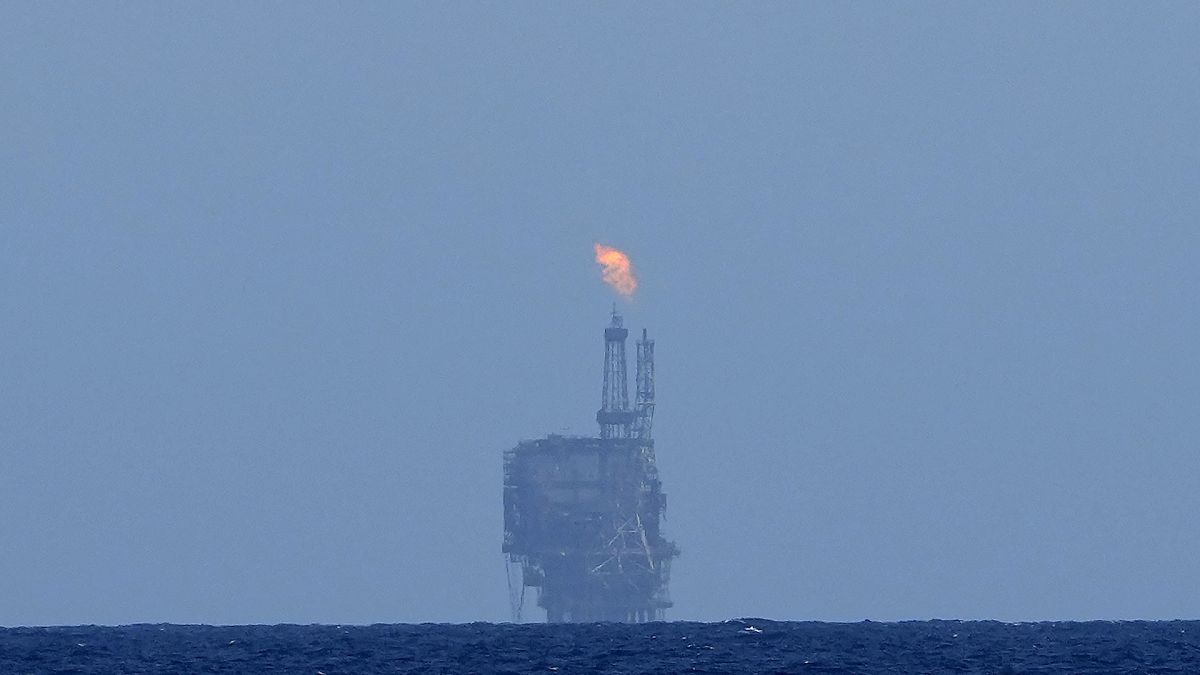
x=618, y=271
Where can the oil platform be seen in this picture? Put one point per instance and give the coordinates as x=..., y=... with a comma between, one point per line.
x=581, y=514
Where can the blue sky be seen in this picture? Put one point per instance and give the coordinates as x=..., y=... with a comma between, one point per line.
x=279, y=282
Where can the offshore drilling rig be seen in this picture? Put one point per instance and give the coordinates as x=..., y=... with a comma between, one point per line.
x=581, y=514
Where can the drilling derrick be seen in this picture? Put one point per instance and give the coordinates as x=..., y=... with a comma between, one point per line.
x=644, y=414
x=581, y=514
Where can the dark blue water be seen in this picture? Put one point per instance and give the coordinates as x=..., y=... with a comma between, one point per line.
x=750, y=645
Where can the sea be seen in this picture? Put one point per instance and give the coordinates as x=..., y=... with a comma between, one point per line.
x=738, y=646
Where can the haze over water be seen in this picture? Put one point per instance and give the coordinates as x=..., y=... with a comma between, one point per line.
x=279, y=283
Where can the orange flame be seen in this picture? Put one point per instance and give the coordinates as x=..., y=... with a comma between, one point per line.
x=618, y=271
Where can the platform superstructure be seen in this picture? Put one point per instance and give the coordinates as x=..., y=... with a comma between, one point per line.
x=582, y=515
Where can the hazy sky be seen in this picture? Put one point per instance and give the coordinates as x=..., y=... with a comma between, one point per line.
x=279, y=282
